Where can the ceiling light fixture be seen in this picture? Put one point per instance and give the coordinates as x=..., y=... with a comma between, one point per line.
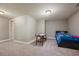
x=2, y=11
x=48, y=11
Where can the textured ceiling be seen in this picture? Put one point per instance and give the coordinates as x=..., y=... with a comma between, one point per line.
x=36, y=10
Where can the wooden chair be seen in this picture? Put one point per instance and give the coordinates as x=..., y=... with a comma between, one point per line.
x=40, y=38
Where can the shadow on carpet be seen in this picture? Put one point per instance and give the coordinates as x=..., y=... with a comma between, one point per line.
x=70, y=45
x=38, y=44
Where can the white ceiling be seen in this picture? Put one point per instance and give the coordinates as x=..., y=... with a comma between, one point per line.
x=36, y=10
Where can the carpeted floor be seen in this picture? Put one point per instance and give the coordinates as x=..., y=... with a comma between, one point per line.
x=50, y=48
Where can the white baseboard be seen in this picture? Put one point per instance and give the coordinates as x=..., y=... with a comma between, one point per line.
x=51, y=38
x=24, y=42
x=31, y=41
x=4, y=40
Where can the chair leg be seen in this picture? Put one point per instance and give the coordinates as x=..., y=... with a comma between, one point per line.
x=42, y=42
x=36, y=42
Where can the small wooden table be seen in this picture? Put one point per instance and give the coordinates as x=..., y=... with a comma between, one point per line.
x=40, y=38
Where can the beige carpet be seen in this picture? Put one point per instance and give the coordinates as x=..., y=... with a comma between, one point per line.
x=50, y=48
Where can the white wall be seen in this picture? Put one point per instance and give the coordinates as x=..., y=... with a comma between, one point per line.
x=4, y=28
x=24, y=28
x=53, y=25
x=40, y=26
x=74, y=24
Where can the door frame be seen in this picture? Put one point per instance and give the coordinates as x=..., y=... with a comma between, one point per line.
x=11, y=30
